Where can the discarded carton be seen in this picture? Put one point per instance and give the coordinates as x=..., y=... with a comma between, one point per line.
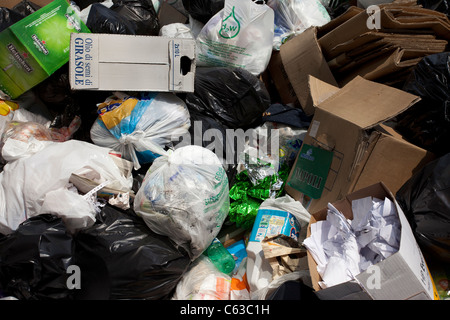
x=346, y=124
x=36, y=46
x=117, y=62
x=402, y=276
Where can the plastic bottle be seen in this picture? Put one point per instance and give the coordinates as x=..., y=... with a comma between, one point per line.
x=220, y=257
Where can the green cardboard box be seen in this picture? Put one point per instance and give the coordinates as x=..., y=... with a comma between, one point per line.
x=36, y=46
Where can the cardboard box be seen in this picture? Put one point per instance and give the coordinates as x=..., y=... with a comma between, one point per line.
x=404, y=274
x=302, y=56
x=36, y=46
x=117, y=62
x=347, y=124
x=346, y=47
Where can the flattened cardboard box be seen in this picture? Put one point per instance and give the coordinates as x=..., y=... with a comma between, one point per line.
x=404, y=275
x=117, y=62
x=310, y=52
x=346, y=122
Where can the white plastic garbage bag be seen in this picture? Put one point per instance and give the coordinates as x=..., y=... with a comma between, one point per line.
x=292, y=17
x=185, y=196
x=40, y=184
x=141, y=128
x=203, y=281
x=238, y=36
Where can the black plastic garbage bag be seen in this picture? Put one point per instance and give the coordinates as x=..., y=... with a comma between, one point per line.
x=102, y=19
x=34, y=260
x=425, y=200
x=121, y=258
x=203, y=10
x=8, y=17
x=233, y=96
x=285, y=114
x=225, y=149
x=26, y=7
x=427, y=123
x=436, y=5
x=140, y=13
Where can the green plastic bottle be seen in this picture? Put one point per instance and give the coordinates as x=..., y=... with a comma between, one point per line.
x=220, y=257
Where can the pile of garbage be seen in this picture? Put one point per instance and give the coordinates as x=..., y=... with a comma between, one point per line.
x=174, y=150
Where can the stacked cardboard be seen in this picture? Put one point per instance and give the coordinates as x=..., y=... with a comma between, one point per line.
x=385, y=45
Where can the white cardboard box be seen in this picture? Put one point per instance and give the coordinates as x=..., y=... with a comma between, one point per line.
x=404, y=275
x=117, y=62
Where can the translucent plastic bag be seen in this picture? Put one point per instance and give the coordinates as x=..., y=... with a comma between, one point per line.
x=141, y=128
x=40, y=184
x=292, y=17
x=185, y=196
x=239, y=36
x=203, y=281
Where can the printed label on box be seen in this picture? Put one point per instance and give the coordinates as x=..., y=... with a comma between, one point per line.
x=311, y=171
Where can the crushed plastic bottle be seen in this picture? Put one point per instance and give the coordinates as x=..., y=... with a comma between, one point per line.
x=220, y=257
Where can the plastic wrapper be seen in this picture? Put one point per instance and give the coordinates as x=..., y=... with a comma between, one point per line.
x=291, y=286
x=234, y=97
x=176, y=30
x=40, y=184
x=292, y=17
x=185, y=196
x=121, y=258
x=246, y=196
x=238, y=36
x=425, y=200
x=22, y=139
x=427, y=122
x=203, y=281
x=142, y=128
x=203, y=10
x=34, y=260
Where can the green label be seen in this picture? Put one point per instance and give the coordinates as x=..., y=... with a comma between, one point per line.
x=311, y=171
x=230, y=26
x=46, y=33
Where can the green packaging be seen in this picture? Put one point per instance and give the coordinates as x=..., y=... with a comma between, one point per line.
x=36, y=46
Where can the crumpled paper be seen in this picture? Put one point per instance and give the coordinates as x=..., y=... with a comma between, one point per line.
x=344, y=248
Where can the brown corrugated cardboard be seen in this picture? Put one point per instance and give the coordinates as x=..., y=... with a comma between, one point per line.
x=403, y=276
x=344, y=123
x=303, y=57
x=345, y=48
x=280, y=79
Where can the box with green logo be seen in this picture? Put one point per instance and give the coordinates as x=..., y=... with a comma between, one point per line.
x=36, y=46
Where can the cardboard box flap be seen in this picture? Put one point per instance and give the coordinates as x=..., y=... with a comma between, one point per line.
x=302, y=56
x=367, y=103
x=349, y=13
x=320, y=90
